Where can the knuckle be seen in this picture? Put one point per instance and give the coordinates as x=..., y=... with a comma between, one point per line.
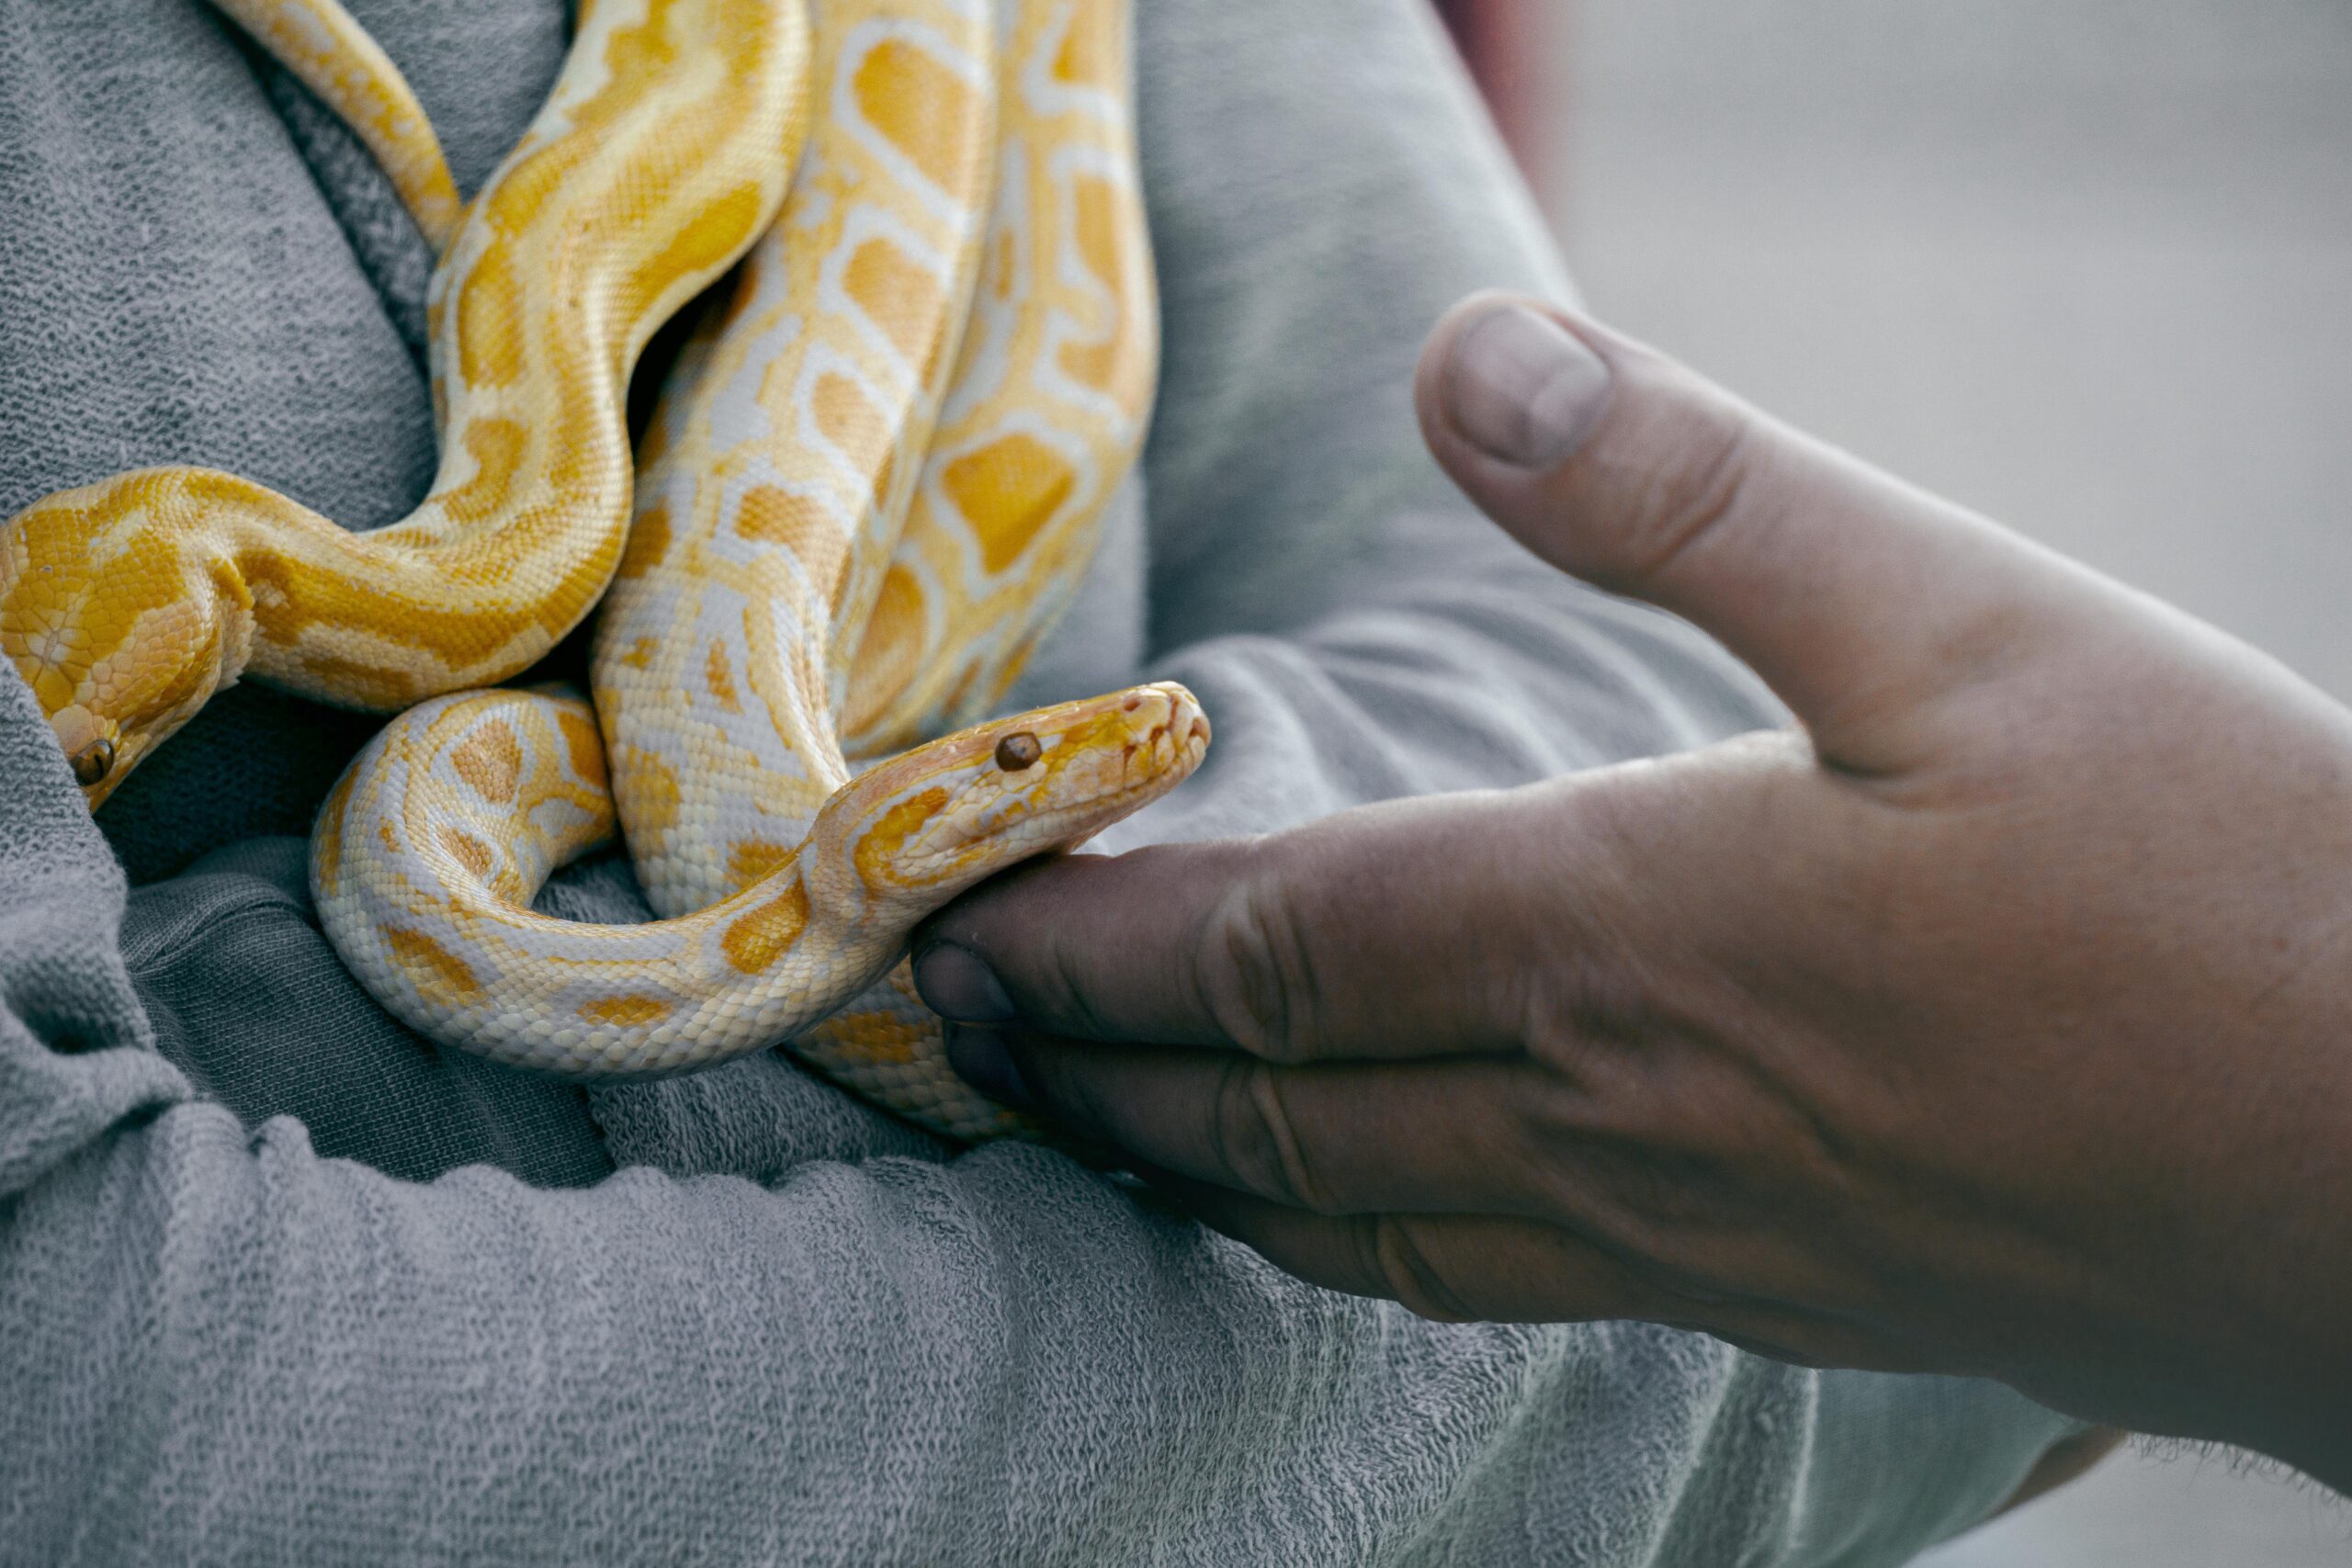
x=1253, y=972
x=1392, y=1252
x=1254, y=1136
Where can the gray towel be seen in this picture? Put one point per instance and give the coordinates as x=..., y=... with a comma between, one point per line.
x=280, y=1283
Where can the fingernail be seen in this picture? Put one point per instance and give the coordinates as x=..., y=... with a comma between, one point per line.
x=981, y=1059
x=955, y=984
x=1522, y=389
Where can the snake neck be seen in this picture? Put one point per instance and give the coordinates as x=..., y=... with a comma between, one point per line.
x=382, y=621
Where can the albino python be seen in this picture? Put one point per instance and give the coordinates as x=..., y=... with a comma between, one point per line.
x=661, y=156
x=872, y=482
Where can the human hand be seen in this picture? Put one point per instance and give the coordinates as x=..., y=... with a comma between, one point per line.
x=1998, y=1021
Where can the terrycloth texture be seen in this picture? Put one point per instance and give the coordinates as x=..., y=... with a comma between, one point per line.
x=790, y=1329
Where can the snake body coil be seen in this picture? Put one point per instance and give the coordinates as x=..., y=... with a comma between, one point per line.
x=660, y=157
x=872, y=480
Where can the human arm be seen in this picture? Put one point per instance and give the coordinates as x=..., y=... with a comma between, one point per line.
x=873, y=1357
x=1992, y=1022
x=1357, y=632
x=215, y=1338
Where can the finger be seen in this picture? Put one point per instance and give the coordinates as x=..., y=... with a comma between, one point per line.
x=1412, y=929
x=1646, y=1146
x=1483, y=1268
x=1854, y=595
x=1450, y=1268
x=1428, y=1136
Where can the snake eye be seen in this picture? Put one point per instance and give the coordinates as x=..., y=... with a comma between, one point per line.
x=1018, y=750
x=93, y=762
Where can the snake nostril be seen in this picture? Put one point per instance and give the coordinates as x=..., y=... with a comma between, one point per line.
x=1017, y=751
x=93, y=762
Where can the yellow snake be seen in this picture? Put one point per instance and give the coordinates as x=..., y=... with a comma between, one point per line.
x=662, y=154
x=872, y=482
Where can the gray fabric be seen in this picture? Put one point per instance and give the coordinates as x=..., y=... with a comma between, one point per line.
x=789, y=1328
x=225, y=954
x=176, y=289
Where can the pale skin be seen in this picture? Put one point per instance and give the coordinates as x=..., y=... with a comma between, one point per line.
x=1995, y=1018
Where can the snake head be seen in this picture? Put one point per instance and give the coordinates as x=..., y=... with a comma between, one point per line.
x=122, y=625
x=906, y=835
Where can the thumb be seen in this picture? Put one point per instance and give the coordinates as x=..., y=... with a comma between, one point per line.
x=1857, y=597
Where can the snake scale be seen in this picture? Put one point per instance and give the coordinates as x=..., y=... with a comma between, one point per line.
x=871, y=480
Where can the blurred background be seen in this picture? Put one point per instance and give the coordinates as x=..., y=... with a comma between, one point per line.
x=2084, y=264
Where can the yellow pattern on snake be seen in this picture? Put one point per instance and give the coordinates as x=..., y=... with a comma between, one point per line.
x=662, y=154
x=849, y=504
x=1050, y=403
